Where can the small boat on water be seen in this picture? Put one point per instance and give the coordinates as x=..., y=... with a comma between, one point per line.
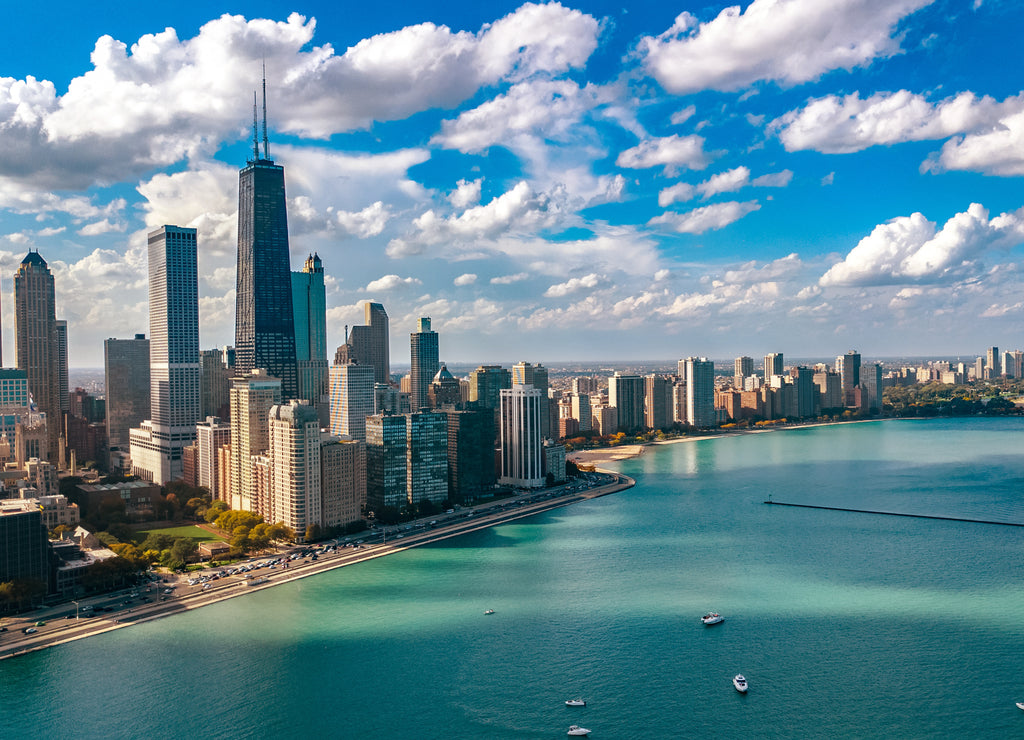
x=575, y=702
x=740, y=683
x=712, y=618
x=489, y=611
x=577, y=731
x=1020, y=705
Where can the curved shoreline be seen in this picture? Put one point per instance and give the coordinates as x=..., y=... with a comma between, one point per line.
x=14, y=643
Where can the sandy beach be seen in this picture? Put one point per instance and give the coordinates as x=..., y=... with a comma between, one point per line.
x=604, y=455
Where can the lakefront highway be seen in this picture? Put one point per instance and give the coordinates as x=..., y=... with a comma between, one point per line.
x=171, y=594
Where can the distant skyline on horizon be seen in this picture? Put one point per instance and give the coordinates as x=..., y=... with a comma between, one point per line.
x=574, y=179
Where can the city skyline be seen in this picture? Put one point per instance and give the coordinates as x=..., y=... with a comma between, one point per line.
x=581, y=189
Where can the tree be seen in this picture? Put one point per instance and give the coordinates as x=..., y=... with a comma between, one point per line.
x=183, y=550
x=313, y=533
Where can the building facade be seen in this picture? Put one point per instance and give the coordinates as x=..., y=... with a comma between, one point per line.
x=264, y=317
x=156, y=448
x=252, y=397
x=521, y=440
x=352, y=399
x=424, y=365
x=35, y=342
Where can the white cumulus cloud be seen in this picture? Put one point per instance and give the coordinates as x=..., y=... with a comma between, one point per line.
x=784, y=41
x=391, y=282
x=574, y=285
x=706, y=218
x=671, y=152
x=910, y=249
x=467, y=278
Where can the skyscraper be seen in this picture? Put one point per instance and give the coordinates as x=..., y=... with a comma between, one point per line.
x=626, y=393
x=126, y=372
x=295, y=497
x=486, y=384
x=264, y=320
x=993, y=362
x=252, y=396
x=700, y=393
x=523, y=373
x=848, y=367
x=424, y=364
x=521, y=440
x=212, y=435
x=352, y=399
x=214, y=384
x=742, y=367
x=773, y=365
x=35, y=341
x=426, y=457
x=309, y=302
x=62, y=364
x=369, y=344
x=386, y=465
x=156, y=448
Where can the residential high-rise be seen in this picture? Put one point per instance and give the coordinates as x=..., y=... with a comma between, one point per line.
x=700, y=393
x=742, y=367
x=309, y=303
x=424, y=364
x=626, y=393
x=848, y=367
x=214, y=384
x=252, y=396
x=521, y=440
x=579, y=404
x=993, y=362
x=871, y=386
x=212, y=435
x=35, y=341
x=773, y=365
x=806, y=393
x=295, y=478
x=127, y=377
x=445, y=389
x=657, y=402
x=264, y=319
x=62, y=364
x=156, y=449
x=342, y=480
x=352, y=399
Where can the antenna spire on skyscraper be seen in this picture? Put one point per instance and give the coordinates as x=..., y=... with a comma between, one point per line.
x=266, y=142
x=255, y=140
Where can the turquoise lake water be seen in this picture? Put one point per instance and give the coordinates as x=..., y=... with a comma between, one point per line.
x=845, y=625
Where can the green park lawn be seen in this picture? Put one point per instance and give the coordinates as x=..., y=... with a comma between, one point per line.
x=188, y=530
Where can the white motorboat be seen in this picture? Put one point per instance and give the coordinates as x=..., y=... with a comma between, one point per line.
x=712, y=618
x=489, y=611
x=577, y=731
x=575, y=702
x=740, y=683
x=1020, y=705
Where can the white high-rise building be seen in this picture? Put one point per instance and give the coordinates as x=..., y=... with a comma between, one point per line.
x=352, y=399
x=211, y=436
x=521, y=440
x=295, y=484
x=156, y=448
x=252, y=396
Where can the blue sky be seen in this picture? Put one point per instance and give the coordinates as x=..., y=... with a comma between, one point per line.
x=545, y=181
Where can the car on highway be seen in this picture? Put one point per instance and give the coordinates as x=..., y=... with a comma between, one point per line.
x=30, y=630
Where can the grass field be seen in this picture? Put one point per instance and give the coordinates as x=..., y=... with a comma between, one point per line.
x=199, y=535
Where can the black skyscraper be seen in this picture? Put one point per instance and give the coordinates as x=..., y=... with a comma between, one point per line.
x=264, y=323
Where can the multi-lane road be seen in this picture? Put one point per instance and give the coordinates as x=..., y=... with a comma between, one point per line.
x=167, y=594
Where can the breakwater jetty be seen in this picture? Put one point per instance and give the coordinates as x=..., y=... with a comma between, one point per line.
x=895, y=513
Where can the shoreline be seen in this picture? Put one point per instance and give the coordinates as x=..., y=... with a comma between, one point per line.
x=14, y=643
x=607, y=455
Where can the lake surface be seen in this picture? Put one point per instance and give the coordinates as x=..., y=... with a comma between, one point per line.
x=845, y=624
